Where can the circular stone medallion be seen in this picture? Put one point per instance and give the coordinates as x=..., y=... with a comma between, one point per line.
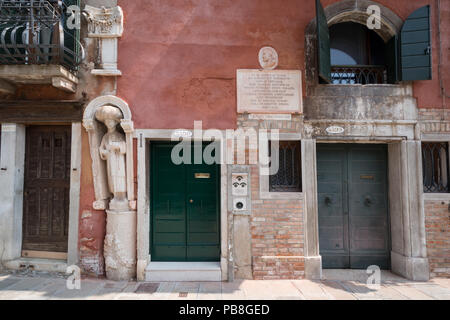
x=268, y=58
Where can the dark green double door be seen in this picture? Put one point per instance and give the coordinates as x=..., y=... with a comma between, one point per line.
x=353, y=206
x=184, y=208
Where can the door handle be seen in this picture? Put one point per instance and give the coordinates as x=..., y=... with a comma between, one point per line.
x=191, y=201
x=367, y=202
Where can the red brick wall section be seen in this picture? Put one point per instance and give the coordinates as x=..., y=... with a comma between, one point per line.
x=437, y=218
x=277, y=236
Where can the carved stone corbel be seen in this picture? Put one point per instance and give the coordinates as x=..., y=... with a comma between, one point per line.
x=106, y=24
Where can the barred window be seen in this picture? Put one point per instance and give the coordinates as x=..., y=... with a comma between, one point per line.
x=435, y=161
x=289, y=175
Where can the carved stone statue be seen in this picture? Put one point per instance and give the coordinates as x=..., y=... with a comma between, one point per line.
x=113, y=149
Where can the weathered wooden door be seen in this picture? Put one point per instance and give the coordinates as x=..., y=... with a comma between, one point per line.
x=46, y=188
x=184, y=208
x=353, y=206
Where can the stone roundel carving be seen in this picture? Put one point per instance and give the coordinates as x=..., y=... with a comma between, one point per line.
x=268, y=58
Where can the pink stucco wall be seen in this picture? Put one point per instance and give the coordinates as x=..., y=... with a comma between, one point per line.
x=179, y=58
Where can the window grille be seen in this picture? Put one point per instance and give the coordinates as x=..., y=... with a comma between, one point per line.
x=289, y=175
x=435, y=161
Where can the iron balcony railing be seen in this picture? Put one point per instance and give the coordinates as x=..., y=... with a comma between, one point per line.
x=37, y=32
x=358, y=74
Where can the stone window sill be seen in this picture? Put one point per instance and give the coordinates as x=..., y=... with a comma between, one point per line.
x=437, y=196
x=264, y=195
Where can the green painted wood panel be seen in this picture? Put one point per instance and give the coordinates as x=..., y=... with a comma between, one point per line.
x=71, y=35
x=353, y=206
x=368, y=206
x=323, y=44
x=392, y=63
x=184, y=208
x=333, y=206
x=415, y=46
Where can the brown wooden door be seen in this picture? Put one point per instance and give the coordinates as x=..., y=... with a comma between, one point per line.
x=47, y=183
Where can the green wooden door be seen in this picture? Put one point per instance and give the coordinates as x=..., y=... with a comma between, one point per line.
x=353, y=206
x=184, y=208
x=333, y=206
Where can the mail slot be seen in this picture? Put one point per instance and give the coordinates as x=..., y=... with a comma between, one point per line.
x=202, y=175
x=367, y=177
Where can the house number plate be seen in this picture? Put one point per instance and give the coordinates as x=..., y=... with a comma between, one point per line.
x=202, y=175
x=335, y=130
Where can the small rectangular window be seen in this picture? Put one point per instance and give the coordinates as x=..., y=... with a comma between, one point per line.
x=289, y=175
x=435, y=161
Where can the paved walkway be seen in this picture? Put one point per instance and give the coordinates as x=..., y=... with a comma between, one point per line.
x=16, y=286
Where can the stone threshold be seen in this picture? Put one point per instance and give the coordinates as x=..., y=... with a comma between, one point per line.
x=36, y=264
x=358, y=275
x=183, y=271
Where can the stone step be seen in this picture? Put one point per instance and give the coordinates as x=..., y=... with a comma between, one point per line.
x=183, y=271
x=36, y=264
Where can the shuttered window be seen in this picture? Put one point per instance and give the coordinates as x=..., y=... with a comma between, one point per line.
x=435, y=162
x=289, y=175
x=408, y=54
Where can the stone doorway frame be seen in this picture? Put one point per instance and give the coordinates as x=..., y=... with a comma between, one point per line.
x=144, y=138
x=406, y=211
x=12, y=164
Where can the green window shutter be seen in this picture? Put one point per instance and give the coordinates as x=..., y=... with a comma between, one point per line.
x=71, y=36
x=392, y=62
x=323, y=45
x=415, y=46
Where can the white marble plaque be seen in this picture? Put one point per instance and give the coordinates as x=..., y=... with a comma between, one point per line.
x=269, y=91
x=284, y=116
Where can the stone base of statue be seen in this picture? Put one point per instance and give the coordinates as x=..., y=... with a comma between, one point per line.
x=120, y=245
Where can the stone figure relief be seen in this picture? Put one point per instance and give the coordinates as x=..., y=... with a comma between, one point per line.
x=113, y=150
x=107, y=120
x=268, y=58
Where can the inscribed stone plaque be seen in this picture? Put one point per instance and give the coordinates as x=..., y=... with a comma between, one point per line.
x=269, y=91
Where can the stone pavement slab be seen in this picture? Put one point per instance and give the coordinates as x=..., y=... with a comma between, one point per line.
x=337, y=291
x=18, y=287
x=311, y=290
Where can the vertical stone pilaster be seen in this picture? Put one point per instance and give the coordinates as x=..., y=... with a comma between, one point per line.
x=313, y=260
x=12, y=161
x=409, y=256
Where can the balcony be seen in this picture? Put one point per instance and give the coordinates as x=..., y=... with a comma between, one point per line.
x=38, y=45
x=358, y=74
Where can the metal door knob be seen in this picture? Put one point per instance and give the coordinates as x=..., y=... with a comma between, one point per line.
x=191, y=201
